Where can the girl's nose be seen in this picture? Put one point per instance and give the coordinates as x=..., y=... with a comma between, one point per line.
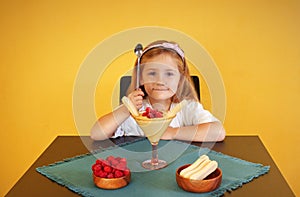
x=160, y=79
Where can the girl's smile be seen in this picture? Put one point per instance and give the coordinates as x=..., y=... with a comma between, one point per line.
x=156, y=89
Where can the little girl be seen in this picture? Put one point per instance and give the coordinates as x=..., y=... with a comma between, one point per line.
x=165, y=81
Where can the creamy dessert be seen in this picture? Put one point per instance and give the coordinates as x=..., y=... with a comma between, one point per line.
x=154, y=123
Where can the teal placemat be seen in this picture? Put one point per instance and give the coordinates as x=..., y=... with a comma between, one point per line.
x=76, y=174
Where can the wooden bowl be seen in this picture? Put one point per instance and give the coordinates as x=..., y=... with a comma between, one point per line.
x=210, y=183
x=112, y=183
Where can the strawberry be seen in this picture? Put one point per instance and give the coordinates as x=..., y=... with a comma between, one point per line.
x=118, y=158
x=123, y=160
x=158, y=114
x=121, y=166
x=102, y=174
x=118, y=174
x=110, y=158
x=107, y=169
x=110, y=175
x=114, y=162
x=98, y=173
x=148, y=110
x=96, y=167
x=99, y=161
x=126, y=171
x=150, y=115
x=105, y=163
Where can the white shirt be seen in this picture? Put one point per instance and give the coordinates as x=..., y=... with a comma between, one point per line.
x=192, y=114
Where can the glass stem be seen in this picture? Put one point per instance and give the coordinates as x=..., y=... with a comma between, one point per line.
x=154, y=160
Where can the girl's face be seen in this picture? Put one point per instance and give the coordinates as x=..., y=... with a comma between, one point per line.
x=160, y=77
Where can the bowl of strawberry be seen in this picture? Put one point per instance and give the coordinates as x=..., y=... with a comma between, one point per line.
x=111, y=173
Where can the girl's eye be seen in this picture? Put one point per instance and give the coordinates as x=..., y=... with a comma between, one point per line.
x=170, y=74
x=151, y=73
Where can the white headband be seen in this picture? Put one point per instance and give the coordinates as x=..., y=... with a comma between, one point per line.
x=167, y=45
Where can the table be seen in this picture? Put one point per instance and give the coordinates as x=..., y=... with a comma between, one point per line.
x=249, y=148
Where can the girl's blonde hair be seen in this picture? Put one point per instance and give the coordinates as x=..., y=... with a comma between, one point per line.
x=185, y=88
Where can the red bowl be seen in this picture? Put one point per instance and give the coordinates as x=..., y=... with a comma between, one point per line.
x=112, y=183
x=210, y=183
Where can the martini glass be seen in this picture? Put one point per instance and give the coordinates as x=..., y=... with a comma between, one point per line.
x=154, y=128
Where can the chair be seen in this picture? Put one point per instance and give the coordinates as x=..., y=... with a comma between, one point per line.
x=126, y=80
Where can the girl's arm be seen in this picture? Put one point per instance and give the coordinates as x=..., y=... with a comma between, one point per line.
x=106, y=125
x=207, y=132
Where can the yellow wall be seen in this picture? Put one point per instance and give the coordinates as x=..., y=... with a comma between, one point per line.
x=255, y=44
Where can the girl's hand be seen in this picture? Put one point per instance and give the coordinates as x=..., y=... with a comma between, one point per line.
x=136, y=98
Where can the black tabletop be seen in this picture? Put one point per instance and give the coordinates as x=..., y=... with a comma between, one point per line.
x=249, y=148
